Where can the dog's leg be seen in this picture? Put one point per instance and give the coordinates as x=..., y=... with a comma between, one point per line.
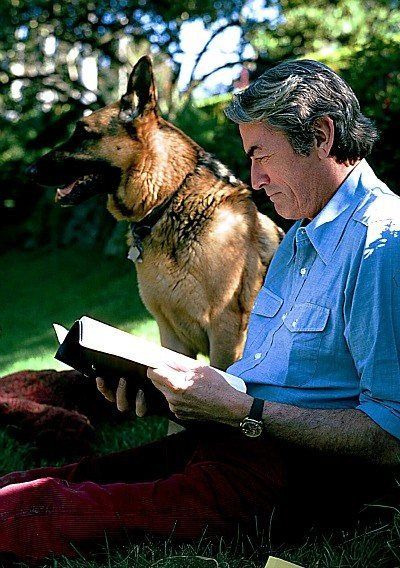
x=226, y=339
x=170, y=340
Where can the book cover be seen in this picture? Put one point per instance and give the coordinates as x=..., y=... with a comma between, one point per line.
x=99, y=350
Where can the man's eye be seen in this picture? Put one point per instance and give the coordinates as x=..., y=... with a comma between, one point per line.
x=263, y=158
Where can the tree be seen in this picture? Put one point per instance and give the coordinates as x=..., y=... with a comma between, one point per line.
x=360, y=40
x=44, y=47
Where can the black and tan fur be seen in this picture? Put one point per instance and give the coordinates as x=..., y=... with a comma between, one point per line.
x=205, y=258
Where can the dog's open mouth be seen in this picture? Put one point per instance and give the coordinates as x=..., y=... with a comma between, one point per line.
x=76, y=180
x=82, y=189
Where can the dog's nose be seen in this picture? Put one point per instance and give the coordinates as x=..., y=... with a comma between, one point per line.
x=32, y=170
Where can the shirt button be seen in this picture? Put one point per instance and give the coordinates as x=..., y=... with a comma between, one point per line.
x=284, y=316
x=258, y=356
x=294, y=324
x=303, y=271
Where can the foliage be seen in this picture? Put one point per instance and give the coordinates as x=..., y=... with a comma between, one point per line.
x=43, y=48
x=360, y=40
x=375, y=75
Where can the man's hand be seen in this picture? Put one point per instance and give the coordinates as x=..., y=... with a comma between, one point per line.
x=121, y=396
x=200, y=393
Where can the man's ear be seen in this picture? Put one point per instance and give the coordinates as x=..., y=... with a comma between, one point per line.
x=141, y=95
x=324, y=131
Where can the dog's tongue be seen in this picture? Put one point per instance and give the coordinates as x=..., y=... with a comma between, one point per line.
x=62, y=192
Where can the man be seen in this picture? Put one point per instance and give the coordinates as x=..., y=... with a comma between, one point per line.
x=321, y=415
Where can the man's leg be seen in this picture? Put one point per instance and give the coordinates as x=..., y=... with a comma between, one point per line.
x=143, y=463
x=227, y=482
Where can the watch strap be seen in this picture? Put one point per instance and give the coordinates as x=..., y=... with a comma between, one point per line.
x=256, y=410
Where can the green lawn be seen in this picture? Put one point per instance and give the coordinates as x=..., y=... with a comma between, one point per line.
x=41, y=287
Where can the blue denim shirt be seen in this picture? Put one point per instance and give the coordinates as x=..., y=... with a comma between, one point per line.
x=324, y=331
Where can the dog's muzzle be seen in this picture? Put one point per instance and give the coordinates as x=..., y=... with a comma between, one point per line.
x=75, y=181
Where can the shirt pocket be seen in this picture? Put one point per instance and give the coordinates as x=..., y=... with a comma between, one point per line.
x=261, y=321
x=304, y=328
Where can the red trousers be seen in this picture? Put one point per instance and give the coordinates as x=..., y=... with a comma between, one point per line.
x=180, y=486
x=210, y=480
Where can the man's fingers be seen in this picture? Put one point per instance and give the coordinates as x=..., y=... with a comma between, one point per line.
x=170, y=378
x=159, y=375
x=104, y=389
x=121, y=396
x=140, y=406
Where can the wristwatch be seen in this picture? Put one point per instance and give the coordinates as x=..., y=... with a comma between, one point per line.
x=253, y=426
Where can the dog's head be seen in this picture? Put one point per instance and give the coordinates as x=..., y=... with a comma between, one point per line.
x=105, y=147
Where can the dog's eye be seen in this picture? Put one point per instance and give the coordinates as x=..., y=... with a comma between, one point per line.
x=84, y=131
x=93, y=134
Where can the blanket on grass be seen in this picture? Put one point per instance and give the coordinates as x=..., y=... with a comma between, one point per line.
x=56, y=411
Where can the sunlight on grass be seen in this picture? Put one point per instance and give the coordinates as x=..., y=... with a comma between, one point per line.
x=45, y=359
x=60, y=286
x=147, y=329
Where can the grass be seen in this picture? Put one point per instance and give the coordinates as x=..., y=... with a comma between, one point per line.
x=42, y=287
x=376, y=548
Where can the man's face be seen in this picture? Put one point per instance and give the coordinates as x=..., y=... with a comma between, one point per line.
x=288, y=179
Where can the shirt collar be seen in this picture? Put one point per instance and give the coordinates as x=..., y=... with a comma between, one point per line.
x=326, y=229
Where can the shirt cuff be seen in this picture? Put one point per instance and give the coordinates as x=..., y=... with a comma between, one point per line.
x=386, y=417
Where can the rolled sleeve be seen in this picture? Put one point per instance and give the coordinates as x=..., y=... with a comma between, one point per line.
x=387, y=417
x=373, y=327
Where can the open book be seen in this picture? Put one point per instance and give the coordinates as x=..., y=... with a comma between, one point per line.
x=100, y=350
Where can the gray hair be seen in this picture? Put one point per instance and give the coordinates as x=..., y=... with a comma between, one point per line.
x=293, y=95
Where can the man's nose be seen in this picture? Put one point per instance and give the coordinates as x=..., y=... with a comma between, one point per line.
x=259, y=179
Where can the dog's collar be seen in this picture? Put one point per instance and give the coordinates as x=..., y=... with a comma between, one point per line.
x=141, y=229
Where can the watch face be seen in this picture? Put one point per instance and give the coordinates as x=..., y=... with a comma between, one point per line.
x=251, y=428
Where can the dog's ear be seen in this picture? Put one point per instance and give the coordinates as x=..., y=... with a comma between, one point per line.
x=141, y=95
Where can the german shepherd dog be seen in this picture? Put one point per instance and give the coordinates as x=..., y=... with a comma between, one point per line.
x=200, y=246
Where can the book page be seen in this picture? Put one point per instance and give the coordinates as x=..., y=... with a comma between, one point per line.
x=61, y=332
x=99, y=336
x=274, y=562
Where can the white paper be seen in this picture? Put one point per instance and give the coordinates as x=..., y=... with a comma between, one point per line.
x=274, y=562
x=235, y=382
x=61, y=332
x=101, y=337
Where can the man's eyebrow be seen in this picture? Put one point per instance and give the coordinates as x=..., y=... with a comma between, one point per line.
x=252, y=150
